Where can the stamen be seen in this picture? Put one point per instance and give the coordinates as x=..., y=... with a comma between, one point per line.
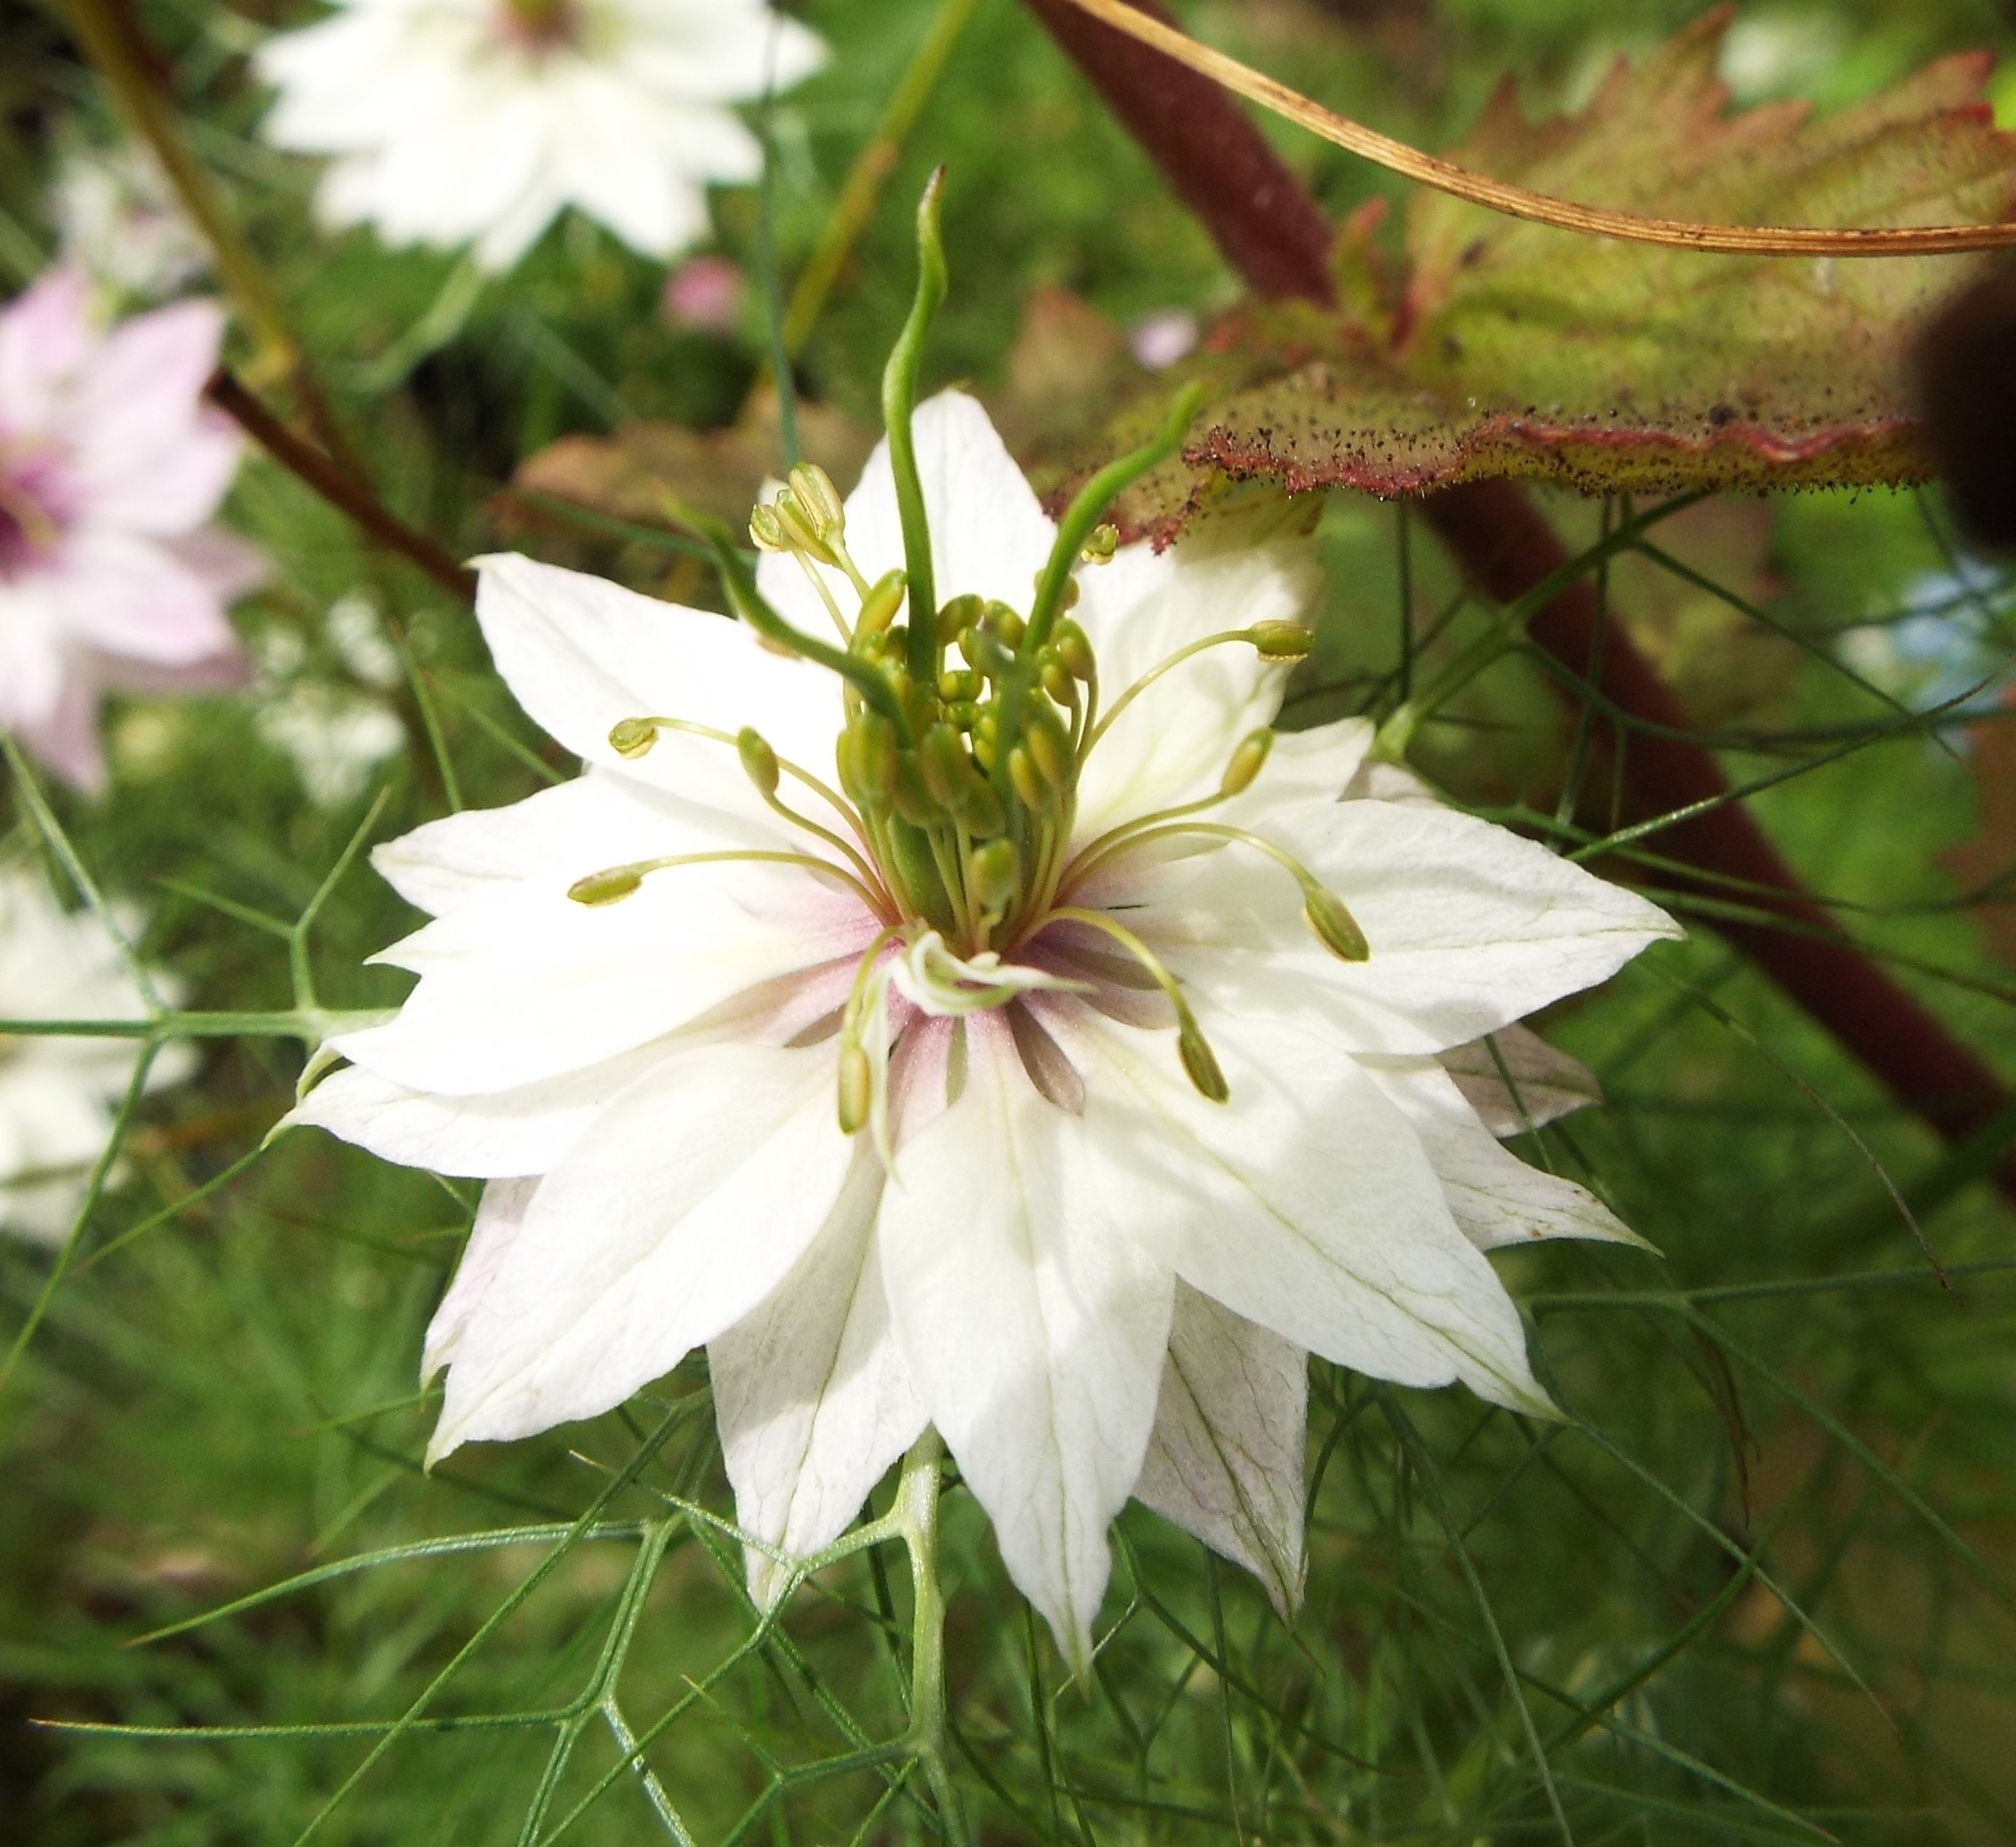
x=1327, y=914
x=761, y=764
x=634, y=737
x=1274, y=641
x=616, y=883
x=1199, y=1063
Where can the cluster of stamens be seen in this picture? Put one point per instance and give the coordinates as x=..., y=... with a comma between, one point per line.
x=966, y=727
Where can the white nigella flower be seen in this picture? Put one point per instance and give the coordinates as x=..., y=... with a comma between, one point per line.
x=58, y=1095
x=455, y=120
x=1061, y=1078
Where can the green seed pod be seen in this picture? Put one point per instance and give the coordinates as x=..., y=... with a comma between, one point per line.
x=1336, y=928
x=759, y=762
x=996, y=872
x=856, y=1086
x=1048, y=745
x=1281, y=641
x=1246, y=763
x=1102, y=541
x=1200, y=1063
x=632, y=737
x=879, y=606
x=1028, y=780
x=606, y=888
x=941, y=758
x=1075, y=651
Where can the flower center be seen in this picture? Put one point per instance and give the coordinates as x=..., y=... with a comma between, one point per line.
x=31, y=511
x=542, y=26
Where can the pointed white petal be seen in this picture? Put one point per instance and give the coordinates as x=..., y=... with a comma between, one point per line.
x=519, y=989
x=1496, y=1197
x=501, y=1137
x=1517, y=1081
x=1172, y=744
x=1033, y=1334
x=1471, y=927
x=810, y=1393
x=580, y=655
x=1305, y=1203
x=989, y=537
x=498, y=1220
x=1226, y=1460
x=690, y=1200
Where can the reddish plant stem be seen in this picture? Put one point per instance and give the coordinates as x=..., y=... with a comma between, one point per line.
x=1273, y=233
x=341, y=488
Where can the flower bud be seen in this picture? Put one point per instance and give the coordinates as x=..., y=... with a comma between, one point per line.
x=1102, y=541
x=856, y=1086
x=759, y=762
x=1281, y=641
x=1335, y=926
x=879, y=606
x=1201, y=1063
x=606, y=888
x=996, y=868
x=1245, y=764
x=632, y=737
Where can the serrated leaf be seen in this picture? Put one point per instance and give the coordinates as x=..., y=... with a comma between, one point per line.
x=1511, y=349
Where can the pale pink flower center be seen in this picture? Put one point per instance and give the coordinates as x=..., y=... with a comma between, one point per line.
x=34, y=509
x=541, y=25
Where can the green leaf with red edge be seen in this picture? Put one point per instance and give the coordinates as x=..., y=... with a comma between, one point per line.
x=1506, y=348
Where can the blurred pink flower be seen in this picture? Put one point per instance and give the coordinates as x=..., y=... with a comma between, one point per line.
x=110, y=464
x=705, y=294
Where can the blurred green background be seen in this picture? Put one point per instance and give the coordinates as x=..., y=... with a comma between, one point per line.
x=226, y=1398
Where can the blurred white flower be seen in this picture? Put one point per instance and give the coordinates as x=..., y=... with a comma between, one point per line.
x=334, y=735
x=1060, y=1081
x=457, y=119
x=110, y=464
x=58, y=1096
x=122, y=226
x=1162, y=339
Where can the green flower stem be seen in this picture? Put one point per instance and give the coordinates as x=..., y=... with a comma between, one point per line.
x=311, y=1028
x=899, y=398
x=916, y=1516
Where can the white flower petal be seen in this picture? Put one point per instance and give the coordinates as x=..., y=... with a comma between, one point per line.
x=687, y=1205
x=505, y=1135
x=1033, y=1335
x=1496, y=1197
x=989, y=536
x=810, y=1392
x=581, y=654
x=520, y=989
x=1545, y=1084
x=498, y=1220
x=1305, y=1203
x=1225, y=1463
x=1471, y=927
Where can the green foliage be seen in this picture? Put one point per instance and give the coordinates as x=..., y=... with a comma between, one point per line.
x=1757, y=1589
